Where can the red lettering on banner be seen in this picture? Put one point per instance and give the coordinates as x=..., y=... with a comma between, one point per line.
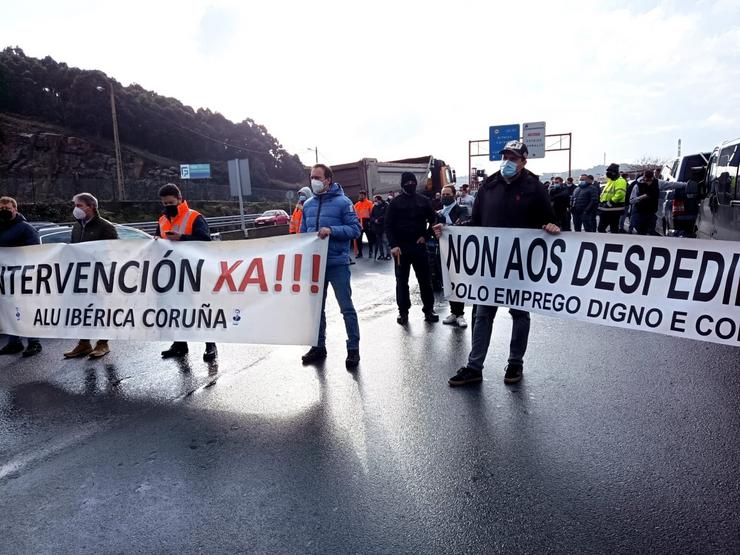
x=257, y=267
x=225, y=277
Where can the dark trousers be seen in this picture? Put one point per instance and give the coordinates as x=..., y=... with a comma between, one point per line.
x=483, y=327
x=413, y=255
x=609, y=219
x=587, y=221
x=563, y=218
x=456, y=308
x=578, y=221
x=645, y=223
x=184, y=345
x=365, y=225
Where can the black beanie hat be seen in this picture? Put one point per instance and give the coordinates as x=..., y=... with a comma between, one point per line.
x=407, y=176
x=612, y=172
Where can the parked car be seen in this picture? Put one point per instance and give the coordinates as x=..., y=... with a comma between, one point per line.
x=60, y=234
x=719, y=213
x=43, y=225
x=272, y=217
x=676, y=170
x=679, y=169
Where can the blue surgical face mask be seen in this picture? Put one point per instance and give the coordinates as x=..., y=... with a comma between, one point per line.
x=582, y=183
x=301, y=198
x=508, y=168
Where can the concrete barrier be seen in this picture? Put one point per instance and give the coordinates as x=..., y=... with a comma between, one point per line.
x=255, y=233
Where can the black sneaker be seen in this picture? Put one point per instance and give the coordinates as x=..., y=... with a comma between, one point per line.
x=314, y=355
x=211, y=352
x=33, y=348
x=466, y=376
x=353, y=358
x=431, y=316
x=12, y=348
x=403, y=318
x=177, y=350
x=513, y=373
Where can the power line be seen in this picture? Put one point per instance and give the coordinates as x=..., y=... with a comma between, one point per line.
x=203, y=135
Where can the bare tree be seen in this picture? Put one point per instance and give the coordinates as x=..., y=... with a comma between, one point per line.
x=645, y=162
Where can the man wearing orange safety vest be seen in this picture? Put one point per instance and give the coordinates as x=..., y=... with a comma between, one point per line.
x=179, y=223
x=295, y=219
x=363, y=207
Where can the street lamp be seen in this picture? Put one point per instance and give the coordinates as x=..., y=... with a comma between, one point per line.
x=121, y=192
x=316, y=152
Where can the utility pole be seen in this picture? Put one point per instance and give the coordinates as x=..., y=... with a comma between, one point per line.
x=679, y=147
x=121, y=192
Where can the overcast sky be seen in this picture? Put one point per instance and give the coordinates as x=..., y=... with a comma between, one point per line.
x=399, y=79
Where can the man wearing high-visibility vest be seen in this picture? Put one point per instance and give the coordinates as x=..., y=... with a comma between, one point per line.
x=180, y=223
x=612, y=200
x=363, y=207
x=295, y=219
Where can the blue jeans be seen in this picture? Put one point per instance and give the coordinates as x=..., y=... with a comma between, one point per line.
x=483, y=327
x=339, y=278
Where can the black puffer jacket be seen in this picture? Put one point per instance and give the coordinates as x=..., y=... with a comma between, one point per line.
x=585, y=200
x=522, y=203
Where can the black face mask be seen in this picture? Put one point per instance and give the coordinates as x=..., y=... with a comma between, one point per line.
x=446, y=200
x=409, y=188
x=171, y=211
x=5, y=215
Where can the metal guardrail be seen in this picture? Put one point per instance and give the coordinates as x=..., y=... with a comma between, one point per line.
x=216, y=222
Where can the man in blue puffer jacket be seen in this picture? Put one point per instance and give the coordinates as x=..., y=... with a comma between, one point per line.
x=331, y=214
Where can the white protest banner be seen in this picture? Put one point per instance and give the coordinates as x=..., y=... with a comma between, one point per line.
x=684, y=288
x=250, y=291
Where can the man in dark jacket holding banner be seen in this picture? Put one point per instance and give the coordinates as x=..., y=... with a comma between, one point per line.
x=89, y=226
x=512, y=197
x=15, y=231
x=179, y=222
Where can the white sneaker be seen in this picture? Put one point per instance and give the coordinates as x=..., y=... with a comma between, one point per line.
x=451, y=320
x=461, y=322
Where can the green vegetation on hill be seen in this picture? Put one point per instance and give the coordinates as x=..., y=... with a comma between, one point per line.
x=77, y=99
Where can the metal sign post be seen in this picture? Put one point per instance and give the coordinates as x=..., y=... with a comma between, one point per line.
x=475, y=150
x=289, y=196
x=240, y=184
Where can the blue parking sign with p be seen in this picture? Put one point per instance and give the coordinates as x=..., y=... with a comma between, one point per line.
x=499, y=135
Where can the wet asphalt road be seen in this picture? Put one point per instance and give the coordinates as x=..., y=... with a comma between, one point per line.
x=615, y=441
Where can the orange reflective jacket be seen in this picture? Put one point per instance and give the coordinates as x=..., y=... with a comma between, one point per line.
x=295, y=219
x=363, y=209
x=182, y=223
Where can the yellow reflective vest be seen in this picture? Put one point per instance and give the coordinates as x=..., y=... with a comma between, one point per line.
x=615, y=192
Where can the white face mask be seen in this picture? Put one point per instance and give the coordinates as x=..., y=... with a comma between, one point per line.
x=317, y=186
x=78, y=213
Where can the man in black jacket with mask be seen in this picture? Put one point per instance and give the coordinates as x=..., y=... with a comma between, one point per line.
x=408, y=224
x=511, y=197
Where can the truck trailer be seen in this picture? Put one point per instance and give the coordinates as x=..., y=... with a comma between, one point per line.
x=380, y=178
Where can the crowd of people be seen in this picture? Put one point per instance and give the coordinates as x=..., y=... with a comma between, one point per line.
x=621, y=205
x=399, y=227
x=178, y=222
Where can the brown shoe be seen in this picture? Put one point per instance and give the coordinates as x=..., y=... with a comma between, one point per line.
x=101, y=349
x=83, y=348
